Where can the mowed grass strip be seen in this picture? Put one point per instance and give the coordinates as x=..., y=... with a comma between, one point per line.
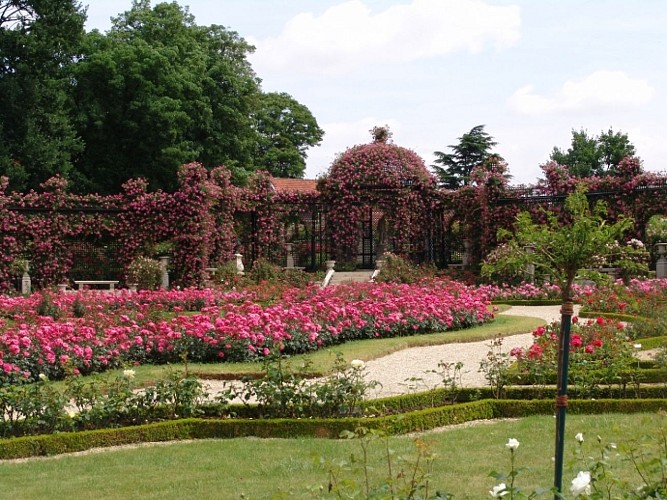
x=268, y=468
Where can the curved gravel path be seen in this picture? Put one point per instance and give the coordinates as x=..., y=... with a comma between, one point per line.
x=409, y=370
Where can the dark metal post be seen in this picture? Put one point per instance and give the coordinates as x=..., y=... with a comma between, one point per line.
x=566, y=312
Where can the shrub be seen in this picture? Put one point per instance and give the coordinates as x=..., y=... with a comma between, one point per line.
x=145, y=272
x=263, y=270
x=396, y=269
x=284, y=393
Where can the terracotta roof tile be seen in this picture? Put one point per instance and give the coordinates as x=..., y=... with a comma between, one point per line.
x=294, y=185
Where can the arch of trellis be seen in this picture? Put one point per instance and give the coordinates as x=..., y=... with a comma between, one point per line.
x=293, y=223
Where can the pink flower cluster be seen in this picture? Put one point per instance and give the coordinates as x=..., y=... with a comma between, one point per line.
x=524, y=291
x=157, y=327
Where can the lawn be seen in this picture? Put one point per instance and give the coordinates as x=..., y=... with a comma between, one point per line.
x=278, y=468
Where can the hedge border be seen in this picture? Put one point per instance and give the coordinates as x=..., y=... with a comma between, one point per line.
x=414, y=421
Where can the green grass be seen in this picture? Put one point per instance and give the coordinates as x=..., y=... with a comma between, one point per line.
x=257, y=468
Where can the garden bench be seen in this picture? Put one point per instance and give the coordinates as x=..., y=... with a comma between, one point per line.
x=110, y=284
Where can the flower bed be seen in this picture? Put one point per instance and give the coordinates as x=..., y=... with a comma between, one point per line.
x=86, y=333
x=600, y=353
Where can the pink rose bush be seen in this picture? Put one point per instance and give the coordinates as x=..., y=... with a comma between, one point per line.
x=208, y=326
x=524, y=291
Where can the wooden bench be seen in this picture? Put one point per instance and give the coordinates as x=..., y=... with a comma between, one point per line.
x=111, y=285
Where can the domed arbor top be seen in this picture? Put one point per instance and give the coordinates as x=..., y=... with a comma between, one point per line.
x=378, y=166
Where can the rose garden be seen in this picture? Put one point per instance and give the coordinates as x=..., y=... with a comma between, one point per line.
x=239, y=297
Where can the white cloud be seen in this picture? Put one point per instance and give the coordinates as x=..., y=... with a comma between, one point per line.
x=349, y=35
x=599, y=90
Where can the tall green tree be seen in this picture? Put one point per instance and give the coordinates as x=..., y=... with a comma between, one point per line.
x=562, y=250
x=158, y=91
x=286, y=130
x=474, y=148
x=39, y=42
x=588, y=156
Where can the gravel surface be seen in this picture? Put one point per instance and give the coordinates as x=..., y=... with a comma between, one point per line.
x=410, y=370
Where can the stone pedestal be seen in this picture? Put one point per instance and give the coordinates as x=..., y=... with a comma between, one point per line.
x=290, y=256
x=26, y=284
x=330, y=264
x=164, y=282
x=240, y=268
x=661, y=264
x=466, y=253
x=530, y=268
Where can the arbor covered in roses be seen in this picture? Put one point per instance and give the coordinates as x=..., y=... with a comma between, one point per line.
x=380, y=181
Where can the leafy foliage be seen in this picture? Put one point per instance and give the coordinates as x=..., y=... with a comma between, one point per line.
x=286, y=130
x=561, y=248
x=39, y=41
x=474, y=148
x=601, y=155
x=378, y=178
x=155, y=92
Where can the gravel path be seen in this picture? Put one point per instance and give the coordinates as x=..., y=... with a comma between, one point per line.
x=409, y=370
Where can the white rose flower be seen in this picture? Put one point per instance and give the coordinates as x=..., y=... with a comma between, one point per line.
x=512, y=444
x=43, y=377
x=129, y=374
x=499, y=490
x=581, y=485
x=579, y=437
x=357, y=364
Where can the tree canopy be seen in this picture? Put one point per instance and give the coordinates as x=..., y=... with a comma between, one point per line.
x=156, y=91
x=474, y=148
x=561, y=248
x=588, y=156
x=286, y=130
x=39, y=40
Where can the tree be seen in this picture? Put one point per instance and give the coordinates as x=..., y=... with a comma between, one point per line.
x=562, y=250
x=39, y=42
x=589, y=156
x=453, y=169
x=159, y=91
x=286, y=130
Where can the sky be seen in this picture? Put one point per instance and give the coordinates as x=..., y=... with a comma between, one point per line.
x=530, y=71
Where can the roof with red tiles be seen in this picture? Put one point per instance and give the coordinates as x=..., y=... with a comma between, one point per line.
x=294, y=185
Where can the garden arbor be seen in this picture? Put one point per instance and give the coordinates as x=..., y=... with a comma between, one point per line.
x=379, y=197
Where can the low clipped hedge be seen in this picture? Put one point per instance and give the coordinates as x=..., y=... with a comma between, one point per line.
x=609, y=315
x=414, y=421
x=652, y=342
x=644, y=375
